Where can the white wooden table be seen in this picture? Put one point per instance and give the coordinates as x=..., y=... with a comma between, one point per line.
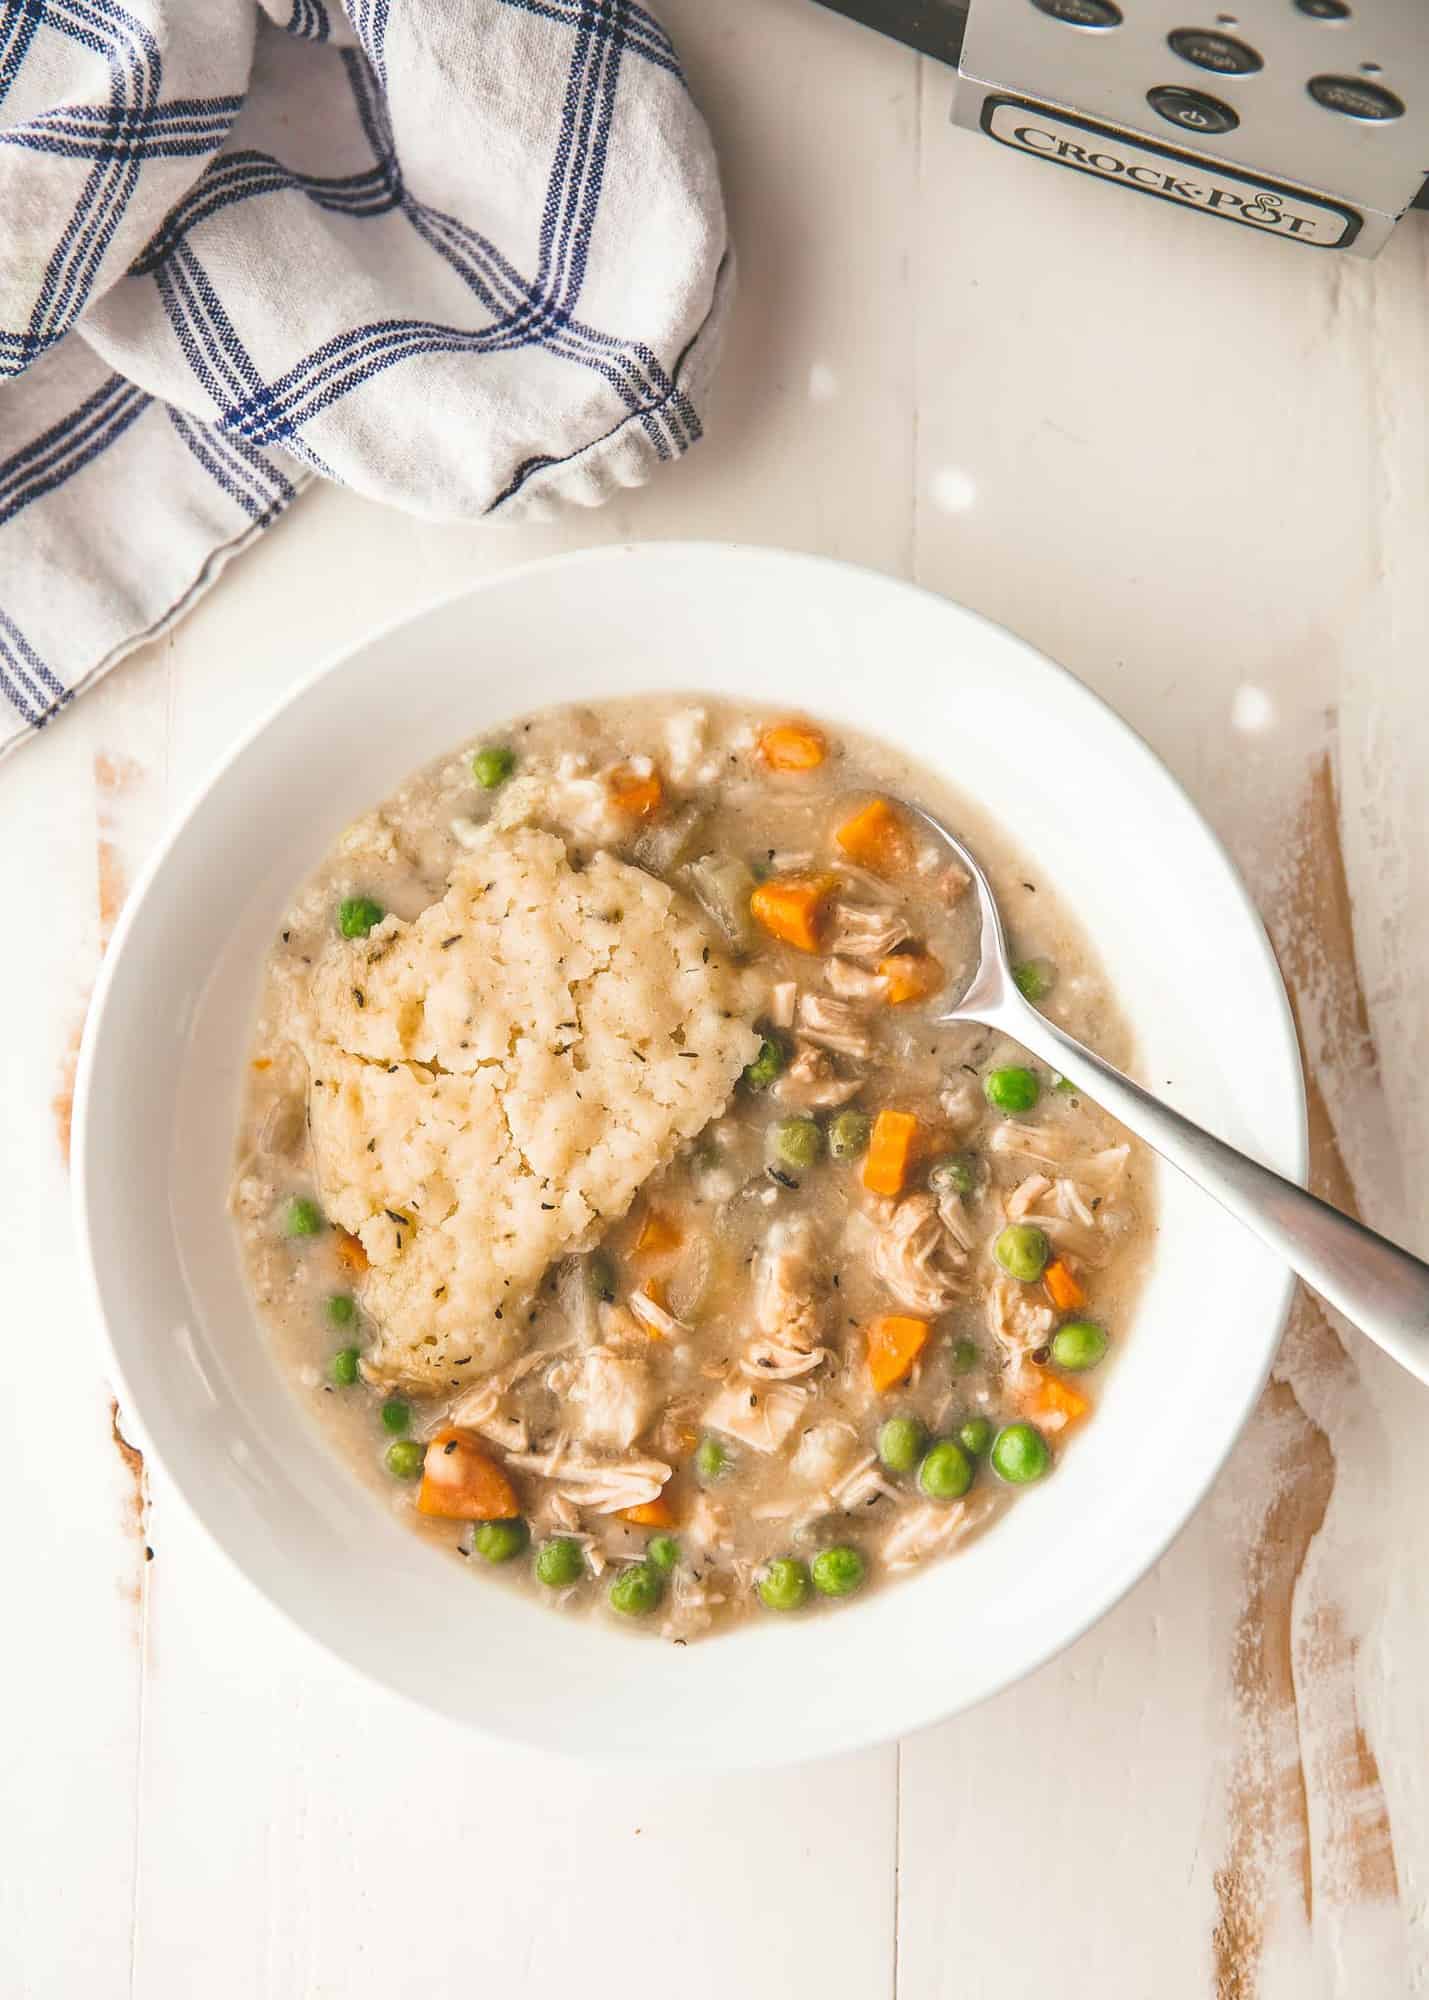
x=1194, y=467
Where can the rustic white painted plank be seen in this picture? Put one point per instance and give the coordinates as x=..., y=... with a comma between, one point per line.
x=75, y=1571
x=338, y=1842
x=1192, y=508
x=346, y=1844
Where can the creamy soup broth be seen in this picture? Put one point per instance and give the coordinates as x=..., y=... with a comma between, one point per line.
x=843, y=1324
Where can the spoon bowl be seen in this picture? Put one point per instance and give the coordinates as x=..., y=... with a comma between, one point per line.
x=1380, y=1287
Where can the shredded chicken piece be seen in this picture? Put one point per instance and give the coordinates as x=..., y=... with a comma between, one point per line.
x=767, y=1361
x=784, y=1304
x=782, y=999
x=929, y=1530
x=760, y=1418
x=860, y=1485
x=953, y=884
x=918, y=1259
x=823, y=1455
x=560, y=1514
x=961, y=1103
x=653, y=1316
x=953, y=1214
x=614, y=1394
x=811, y=1083
x=1026, y=1195
x=852, y=982
x=865, y=931
x=601, y=1485
x=686, y=751
x=834, y=1024
x=1018, y=1319
x=1050, y=1147
x=480, y=1409
x=1061, y=1211
x=692, y=1602
x=708, y=1525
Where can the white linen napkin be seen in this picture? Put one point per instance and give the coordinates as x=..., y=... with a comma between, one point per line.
x=460, y=255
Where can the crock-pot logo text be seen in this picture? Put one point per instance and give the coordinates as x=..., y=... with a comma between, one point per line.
x=1167, y=176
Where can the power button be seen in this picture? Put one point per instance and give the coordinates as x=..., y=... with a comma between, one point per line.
x=1192, y=110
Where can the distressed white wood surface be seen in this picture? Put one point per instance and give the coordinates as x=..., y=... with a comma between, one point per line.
x=1193, y=466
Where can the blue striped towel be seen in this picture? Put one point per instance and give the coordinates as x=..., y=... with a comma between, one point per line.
x=465, y=256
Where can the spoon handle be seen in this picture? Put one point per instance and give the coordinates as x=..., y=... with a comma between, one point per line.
x=1383, y=1289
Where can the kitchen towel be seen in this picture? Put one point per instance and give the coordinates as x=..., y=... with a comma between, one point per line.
x=464, y=256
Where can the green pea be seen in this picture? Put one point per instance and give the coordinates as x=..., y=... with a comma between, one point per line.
x=711, y=1461
x=1081, y=1343
x=1035, y=978
x=794, y=1142
x=396, y=1415
x=357, y=915
x=405, y=1459
x=1020, y=1454
x=848, y=1135
x=637, y=1590
x=492, y=766
x=600, y=1276
x=341, y=1309
x=500, y=1541
x=559, y=1563
x=838, y=1572
x=900, y=1443
x=766, y=1065
x=1022, y=1250
x=1065, y=1087
x=302, y=1217
x=946, y=1473
x=784, y=1584
x=965, y=1355
x=956, y=1175
x=1011, y=1089
x=343, y=1367
x=975, y=1436
x=663, y=1551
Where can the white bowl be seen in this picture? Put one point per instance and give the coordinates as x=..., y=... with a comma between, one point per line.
x=158, y=1091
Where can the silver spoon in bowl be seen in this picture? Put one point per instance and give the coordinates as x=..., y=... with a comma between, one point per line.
x=1382, y=1288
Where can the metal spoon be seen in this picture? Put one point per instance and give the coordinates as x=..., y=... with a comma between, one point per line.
x=1370, y=1280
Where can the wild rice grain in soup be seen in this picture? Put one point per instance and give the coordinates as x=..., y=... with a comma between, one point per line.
x=613, y=1199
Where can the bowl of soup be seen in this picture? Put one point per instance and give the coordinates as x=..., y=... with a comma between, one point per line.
x=544, y=1226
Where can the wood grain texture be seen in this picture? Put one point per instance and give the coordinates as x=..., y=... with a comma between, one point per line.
x=1196, y=469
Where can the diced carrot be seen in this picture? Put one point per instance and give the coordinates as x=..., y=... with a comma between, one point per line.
x=890, y=1152
x=460, y=1482
x=262, y=1062
x=911, y=975
x=656, y=1513
x=876, y=838
x=1059, y=1397
x=894, y=1344
x=659, y=1234
x=793, y=746
x=1062, y=1288
x=638, y=793
x=791, y=907
x=350, y=1253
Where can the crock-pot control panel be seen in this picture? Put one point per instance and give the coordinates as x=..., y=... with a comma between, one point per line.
x=1303, y=119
